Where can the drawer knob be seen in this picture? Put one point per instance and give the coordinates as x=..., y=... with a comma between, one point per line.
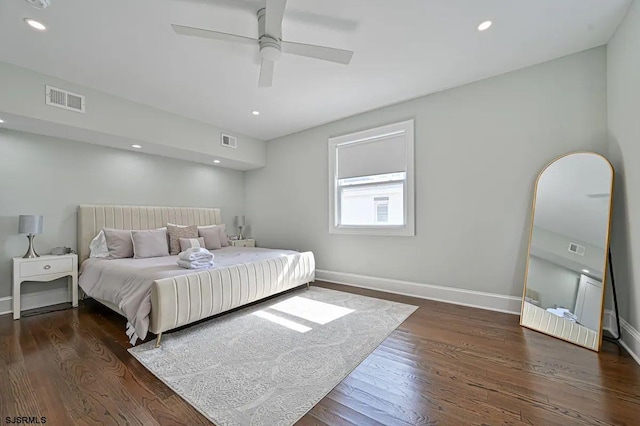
x=47, y=267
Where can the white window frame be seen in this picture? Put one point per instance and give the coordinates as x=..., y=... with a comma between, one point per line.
x=408, y=229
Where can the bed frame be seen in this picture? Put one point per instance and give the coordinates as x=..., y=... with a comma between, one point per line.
x=182, y=300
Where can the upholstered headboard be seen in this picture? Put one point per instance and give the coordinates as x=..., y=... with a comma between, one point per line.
x=92, y=219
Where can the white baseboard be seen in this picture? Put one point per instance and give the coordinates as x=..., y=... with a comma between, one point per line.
x=475, y=299
x=630, y=336
x=36, y=300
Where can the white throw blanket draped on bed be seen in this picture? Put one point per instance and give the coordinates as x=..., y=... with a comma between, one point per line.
x=195, y=264
x=195, y=258
x=200, y=254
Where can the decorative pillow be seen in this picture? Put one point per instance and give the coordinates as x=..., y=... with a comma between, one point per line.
x=187, y=243
x=211, y=237
x=224, y=239
x=177, y=232
x=98, y=246
x=119, y=243
x=151, y=243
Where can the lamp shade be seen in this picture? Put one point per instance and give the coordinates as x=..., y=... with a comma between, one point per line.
x=30, y=224
x=239, y=220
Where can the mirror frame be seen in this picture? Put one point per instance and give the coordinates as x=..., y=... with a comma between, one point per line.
x=597, y=344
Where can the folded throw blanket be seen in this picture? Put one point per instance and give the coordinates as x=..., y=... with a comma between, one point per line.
x=196, y=253
x=195, y=264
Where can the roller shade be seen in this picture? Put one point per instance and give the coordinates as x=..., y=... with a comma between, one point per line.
x=374, y=157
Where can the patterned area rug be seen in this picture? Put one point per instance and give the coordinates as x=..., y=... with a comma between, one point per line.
x=270, y=363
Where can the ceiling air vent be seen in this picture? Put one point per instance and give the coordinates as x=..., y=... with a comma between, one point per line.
x=576, y=249
x=64, y=99
x=229, y=141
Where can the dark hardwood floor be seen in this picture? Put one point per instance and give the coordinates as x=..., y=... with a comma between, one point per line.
x=446, y=364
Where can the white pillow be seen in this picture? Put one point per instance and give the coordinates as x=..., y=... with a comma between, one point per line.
x=224, y=240
x=98, y=246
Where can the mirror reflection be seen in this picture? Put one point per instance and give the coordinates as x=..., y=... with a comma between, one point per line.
x=564, y=287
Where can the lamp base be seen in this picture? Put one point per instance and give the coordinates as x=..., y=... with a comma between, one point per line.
x=31, y=253
x=240, y=236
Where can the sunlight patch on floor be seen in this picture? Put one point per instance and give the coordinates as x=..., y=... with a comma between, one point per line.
x=311, y=310
x=282, y=321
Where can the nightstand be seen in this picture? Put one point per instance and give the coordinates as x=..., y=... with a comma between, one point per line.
x=250, y=242
x=44, y=268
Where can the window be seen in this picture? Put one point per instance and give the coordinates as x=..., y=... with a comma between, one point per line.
x=382, y=209
x=371, y=181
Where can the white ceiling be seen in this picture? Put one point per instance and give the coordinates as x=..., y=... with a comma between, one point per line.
x=403, y=49
x=573, y=198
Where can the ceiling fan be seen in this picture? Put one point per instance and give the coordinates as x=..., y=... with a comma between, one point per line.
x=270, y=41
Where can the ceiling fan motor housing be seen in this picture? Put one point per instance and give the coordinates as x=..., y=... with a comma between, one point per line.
x=269, y=43
x=269, y=48
x=39, y=4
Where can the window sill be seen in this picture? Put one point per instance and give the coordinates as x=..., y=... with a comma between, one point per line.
x=399, y=231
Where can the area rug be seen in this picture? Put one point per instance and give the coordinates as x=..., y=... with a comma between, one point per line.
x=270, y=363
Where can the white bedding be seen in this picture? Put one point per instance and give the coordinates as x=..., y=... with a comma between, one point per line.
x=126, y=283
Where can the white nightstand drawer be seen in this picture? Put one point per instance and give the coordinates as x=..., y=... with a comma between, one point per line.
x=45, y=267
x=243, y=243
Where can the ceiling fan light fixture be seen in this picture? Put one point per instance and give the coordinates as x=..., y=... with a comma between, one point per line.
x=484, y=26
x=270, y=50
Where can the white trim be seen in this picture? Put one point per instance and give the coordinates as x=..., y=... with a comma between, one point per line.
x=36, y=300
x=457, y=296
x=609, y=322
x=407, y=128
x=630, y=336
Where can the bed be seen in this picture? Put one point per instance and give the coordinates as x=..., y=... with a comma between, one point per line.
x=155, y=295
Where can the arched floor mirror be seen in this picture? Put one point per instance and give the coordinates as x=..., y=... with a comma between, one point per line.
x=567, y=261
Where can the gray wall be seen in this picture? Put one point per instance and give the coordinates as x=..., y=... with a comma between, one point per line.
x=115, y=121
x=623, y=101
x=478, y=151
x=49, y=176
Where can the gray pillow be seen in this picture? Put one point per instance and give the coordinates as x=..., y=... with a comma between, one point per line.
x=151, y=243
x=187, y=243
x=224, y=240
x=119, y=243
x=211, y=237
x=177, y=232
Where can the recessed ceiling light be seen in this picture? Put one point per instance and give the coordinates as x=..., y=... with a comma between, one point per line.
x=136, y=146
x=586, y=271
x=1, y=121
x=255, y=112
x=216, y=161
x=35, y=24
x=484, y=26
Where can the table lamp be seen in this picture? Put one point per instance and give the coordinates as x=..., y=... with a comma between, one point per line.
x=30, y=225
x=240, y=223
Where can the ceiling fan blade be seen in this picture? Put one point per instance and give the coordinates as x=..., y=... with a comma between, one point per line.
x=318, y=52
x=273, y=19
x=266, y=73
x=215, y=35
